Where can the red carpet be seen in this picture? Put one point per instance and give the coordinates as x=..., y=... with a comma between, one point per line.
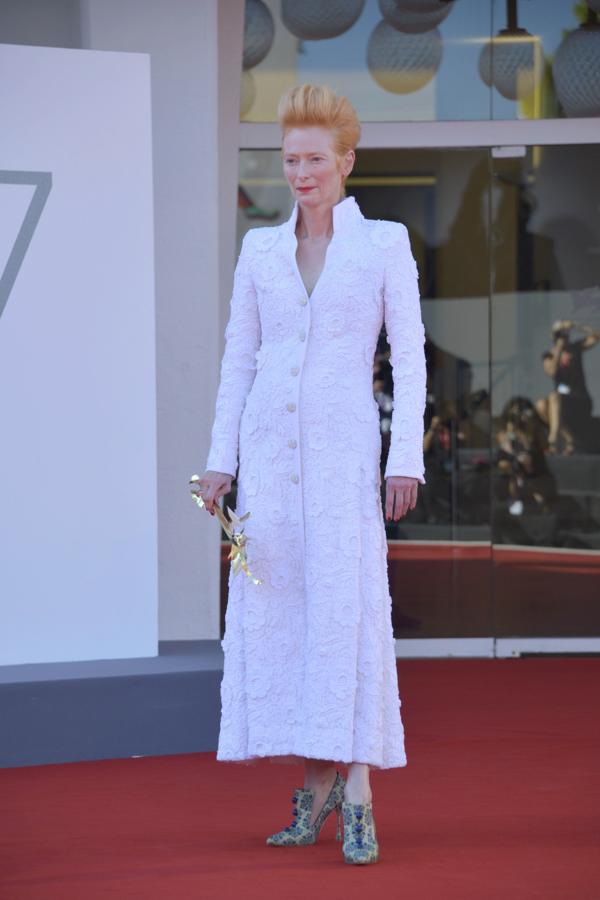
x=500, y=798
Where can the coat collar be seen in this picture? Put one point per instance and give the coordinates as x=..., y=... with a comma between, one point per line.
x=346, y=215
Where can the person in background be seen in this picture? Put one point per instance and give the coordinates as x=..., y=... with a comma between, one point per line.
x=567, y=410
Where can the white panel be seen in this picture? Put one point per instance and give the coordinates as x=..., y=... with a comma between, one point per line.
x=414, y=648
x=516, y=646
x=78, y=575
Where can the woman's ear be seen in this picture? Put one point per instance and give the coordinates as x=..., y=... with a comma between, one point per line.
x=349, y=159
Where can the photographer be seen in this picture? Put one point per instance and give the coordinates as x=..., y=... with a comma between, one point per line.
x=524, y=481
x=568, y=408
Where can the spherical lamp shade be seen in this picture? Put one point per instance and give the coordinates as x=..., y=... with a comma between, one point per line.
x=403, y=63
x=259, y=31
x=485, y=63
x=414, y=20
x=247, y=94
x=317, y=20
x=512, y=63
x=576, y=72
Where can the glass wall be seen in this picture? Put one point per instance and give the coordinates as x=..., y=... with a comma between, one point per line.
x=427, y=60
x=505, y=539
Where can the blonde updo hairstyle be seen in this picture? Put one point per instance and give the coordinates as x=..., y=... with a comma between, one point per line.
x=315, y=104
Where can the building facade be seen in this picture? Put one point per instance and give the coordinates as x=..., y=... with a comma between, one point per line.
x=481, y=132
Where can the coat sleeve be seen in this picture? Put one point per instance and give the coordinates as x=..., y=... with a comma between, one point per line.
x=238, y=368
x=406, y=337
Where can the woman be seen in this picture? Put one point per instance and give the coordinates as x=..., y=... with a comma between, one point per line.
x=310, y=670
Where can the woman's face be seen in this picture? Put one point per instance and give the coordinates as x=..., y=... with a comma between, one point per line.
x=311, y=166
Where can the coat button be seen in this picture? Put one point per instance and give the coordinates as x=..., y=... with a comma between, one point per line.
x=293, y=443
x=303, y=301
x=294, y=478
x=291, y=407
x=294, y=370
x=302, y=335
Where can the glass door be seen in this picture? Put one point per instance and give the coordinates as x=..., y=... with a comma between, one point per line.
x=439, y=555
x=503, y=549
x=545, y=388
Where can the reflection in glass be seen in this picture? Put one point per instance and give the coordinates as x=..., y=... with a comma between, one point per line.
x=546, y=391
x=425, y=61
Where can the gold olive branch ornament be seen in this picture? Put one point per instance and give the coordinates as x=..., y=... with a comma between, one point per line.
x=234, y=531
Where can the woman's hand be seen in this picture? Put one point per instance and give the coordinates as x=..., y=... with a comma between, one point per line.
x=211, y=486
x=400, y=496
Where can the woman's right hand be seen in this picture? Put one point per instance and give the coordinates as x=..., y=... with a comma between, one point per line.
x=211, y=486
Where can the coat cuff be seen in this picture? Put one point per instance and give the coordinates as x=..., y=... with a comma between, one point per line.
x=406, y=472
x=226, y=465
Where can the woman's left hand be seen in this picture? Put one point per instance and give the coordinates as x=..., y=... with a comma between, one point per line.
x=400, y=496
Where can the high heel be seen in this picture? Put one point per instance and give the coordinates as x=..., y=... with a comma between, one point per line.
x=360, y=838
x=300, y=832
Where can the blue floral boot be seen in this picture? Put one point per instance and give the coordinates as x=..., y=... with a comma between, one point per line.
x=360, y=839
x=300, y=832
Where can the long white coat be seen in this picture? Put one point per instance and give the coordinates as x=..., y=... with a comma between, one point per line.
x=309, y=662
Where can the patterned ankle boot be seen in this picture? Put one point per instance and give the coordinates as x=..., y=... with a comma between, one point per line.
x=300, y=832
x=360, y=838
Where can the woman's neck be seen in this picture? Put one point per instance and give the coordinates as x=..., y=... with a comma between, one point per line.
x=314, y=224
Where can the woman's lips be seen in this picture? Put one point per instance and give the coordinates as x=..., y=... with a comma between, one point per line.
x=305, y=190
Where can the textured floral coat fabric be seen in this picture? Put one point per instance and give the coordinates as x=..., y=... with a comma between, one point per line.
x=309, y=661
